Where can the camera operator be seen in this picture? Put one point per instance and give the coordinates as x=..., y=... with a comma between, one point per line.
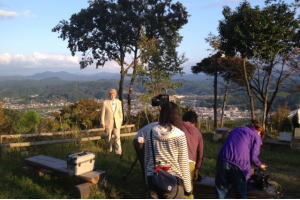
x=234, y=166
x=169, y=122
x=169, y=149
x=139, y=139
x=139, y=142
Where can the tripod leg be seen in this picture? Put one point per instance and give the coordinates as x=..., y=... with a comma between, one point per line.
x=131, y=168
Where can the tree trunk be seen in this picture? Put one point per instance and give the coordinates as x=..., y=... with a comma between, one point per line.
x=249, y=91
x=266, y=99
x=215, y=97
x=131, y=86
x=224, y=103
x=278, y=82
x=121, y=86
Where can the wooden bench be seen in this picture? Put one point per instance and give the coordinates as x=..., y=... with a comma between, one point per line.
x=45, y=164
x=221, y=134
x=276, y=142
x=207, y=188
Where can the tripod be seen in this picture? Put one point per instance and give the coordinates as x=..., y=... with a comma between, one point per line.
x=131, y=168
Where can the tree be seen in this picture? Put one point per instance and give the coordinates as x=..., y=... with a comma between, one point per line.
x=232, y=71
x=210, y=66
x=159, y=62
x=13, y=117
x=265, y=37
x=236, y=36
x=102, y=33
x=110, y=31
x=29, y=122
x=160, y=21
x=84, y=114
x=3, y=121
x=226, y=67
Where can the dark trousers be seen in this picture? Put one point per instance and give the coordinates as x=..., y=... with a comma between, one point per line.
x=228, y=176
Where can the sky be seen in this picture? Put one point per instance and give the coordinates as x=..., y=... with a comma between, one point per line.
x=28, y=46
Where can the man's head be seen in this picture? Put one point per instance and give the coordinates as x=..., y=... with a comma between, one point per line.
x=258, y=127
x=112, y=94
x=190, y=116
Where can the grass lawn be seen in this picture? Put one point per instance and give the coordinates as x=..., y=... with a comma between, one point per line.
x=283, y=165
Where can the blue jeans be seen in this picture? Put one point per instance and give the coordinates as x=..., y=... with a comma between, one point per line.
x=229, y=175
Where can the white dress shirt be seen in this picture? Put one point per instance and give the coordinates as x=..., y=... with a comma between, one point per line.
x=113, y=105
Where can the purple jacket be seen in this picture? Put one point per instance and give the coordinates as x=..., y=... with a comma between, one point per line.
x=242, y=148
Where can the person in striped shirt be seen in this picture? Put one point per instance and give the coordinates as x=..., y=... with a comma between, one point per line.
x=170, y=147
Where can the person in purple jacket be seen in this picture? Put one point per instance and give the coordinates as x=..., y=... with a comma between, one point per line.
x=239, y=152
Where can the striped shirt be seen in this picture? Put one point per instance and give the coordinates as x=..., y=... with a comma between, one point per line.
x=170, y=148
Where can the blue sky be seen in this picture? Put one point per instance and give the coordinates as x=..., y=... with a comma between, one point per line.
x=28, y=46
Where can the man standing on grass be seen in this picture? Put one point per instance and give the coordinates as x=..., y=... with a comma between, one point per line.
x=111, y=120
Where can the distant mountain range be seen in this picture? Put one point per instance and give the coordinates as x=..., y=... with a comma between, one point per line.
x=66, y=76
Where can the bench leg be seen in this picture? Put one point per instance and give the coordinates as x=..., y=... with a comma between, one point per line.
x=82, y=191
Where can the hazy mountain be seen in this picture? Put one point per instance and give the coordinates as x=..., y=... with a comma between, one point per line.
x=66, y=76
x=193, y=77
x=74, y=77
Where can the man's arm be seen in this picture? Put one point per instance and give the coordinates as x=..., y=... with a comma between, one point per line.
x=139, y=149
x=255, y=153
x=103, y=115
x=121, y=111
x=200, y=152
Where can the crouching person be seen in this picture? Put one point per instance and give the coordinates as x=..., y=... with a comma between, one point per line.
x=240, y=150
x=166, y=153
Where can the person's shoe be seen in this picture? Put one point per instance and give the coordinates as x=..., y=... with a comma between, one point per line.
x=120, y=156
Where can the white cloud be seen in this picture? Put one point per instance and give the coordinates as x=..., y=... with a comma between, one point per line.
x=221, y=3
x=11, y=14
x=37, y=60
x=7, y=14
x=15, y=63
x=5, y=59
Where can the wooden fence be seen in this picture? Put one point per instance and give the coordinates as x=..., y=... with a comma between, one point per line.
x=4, y=147
x=130, y=126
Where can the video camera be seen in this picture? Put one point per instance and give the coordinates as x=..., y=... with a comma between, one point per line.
x=160, y=100
x=262, y=181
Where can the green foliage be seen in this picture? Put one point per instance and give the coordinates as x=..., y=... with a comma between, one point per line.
x=3, y=121
x=280, y=120
x=84, y=114
x=267, y=37
x=13, y=117
x=160, y=62
x=111, y=30
x=255, y=32
x=28, y=122
x=229, y=68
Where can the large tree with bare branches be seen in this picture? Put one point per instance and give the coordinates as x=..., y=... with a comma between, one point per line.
x=268, y=38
